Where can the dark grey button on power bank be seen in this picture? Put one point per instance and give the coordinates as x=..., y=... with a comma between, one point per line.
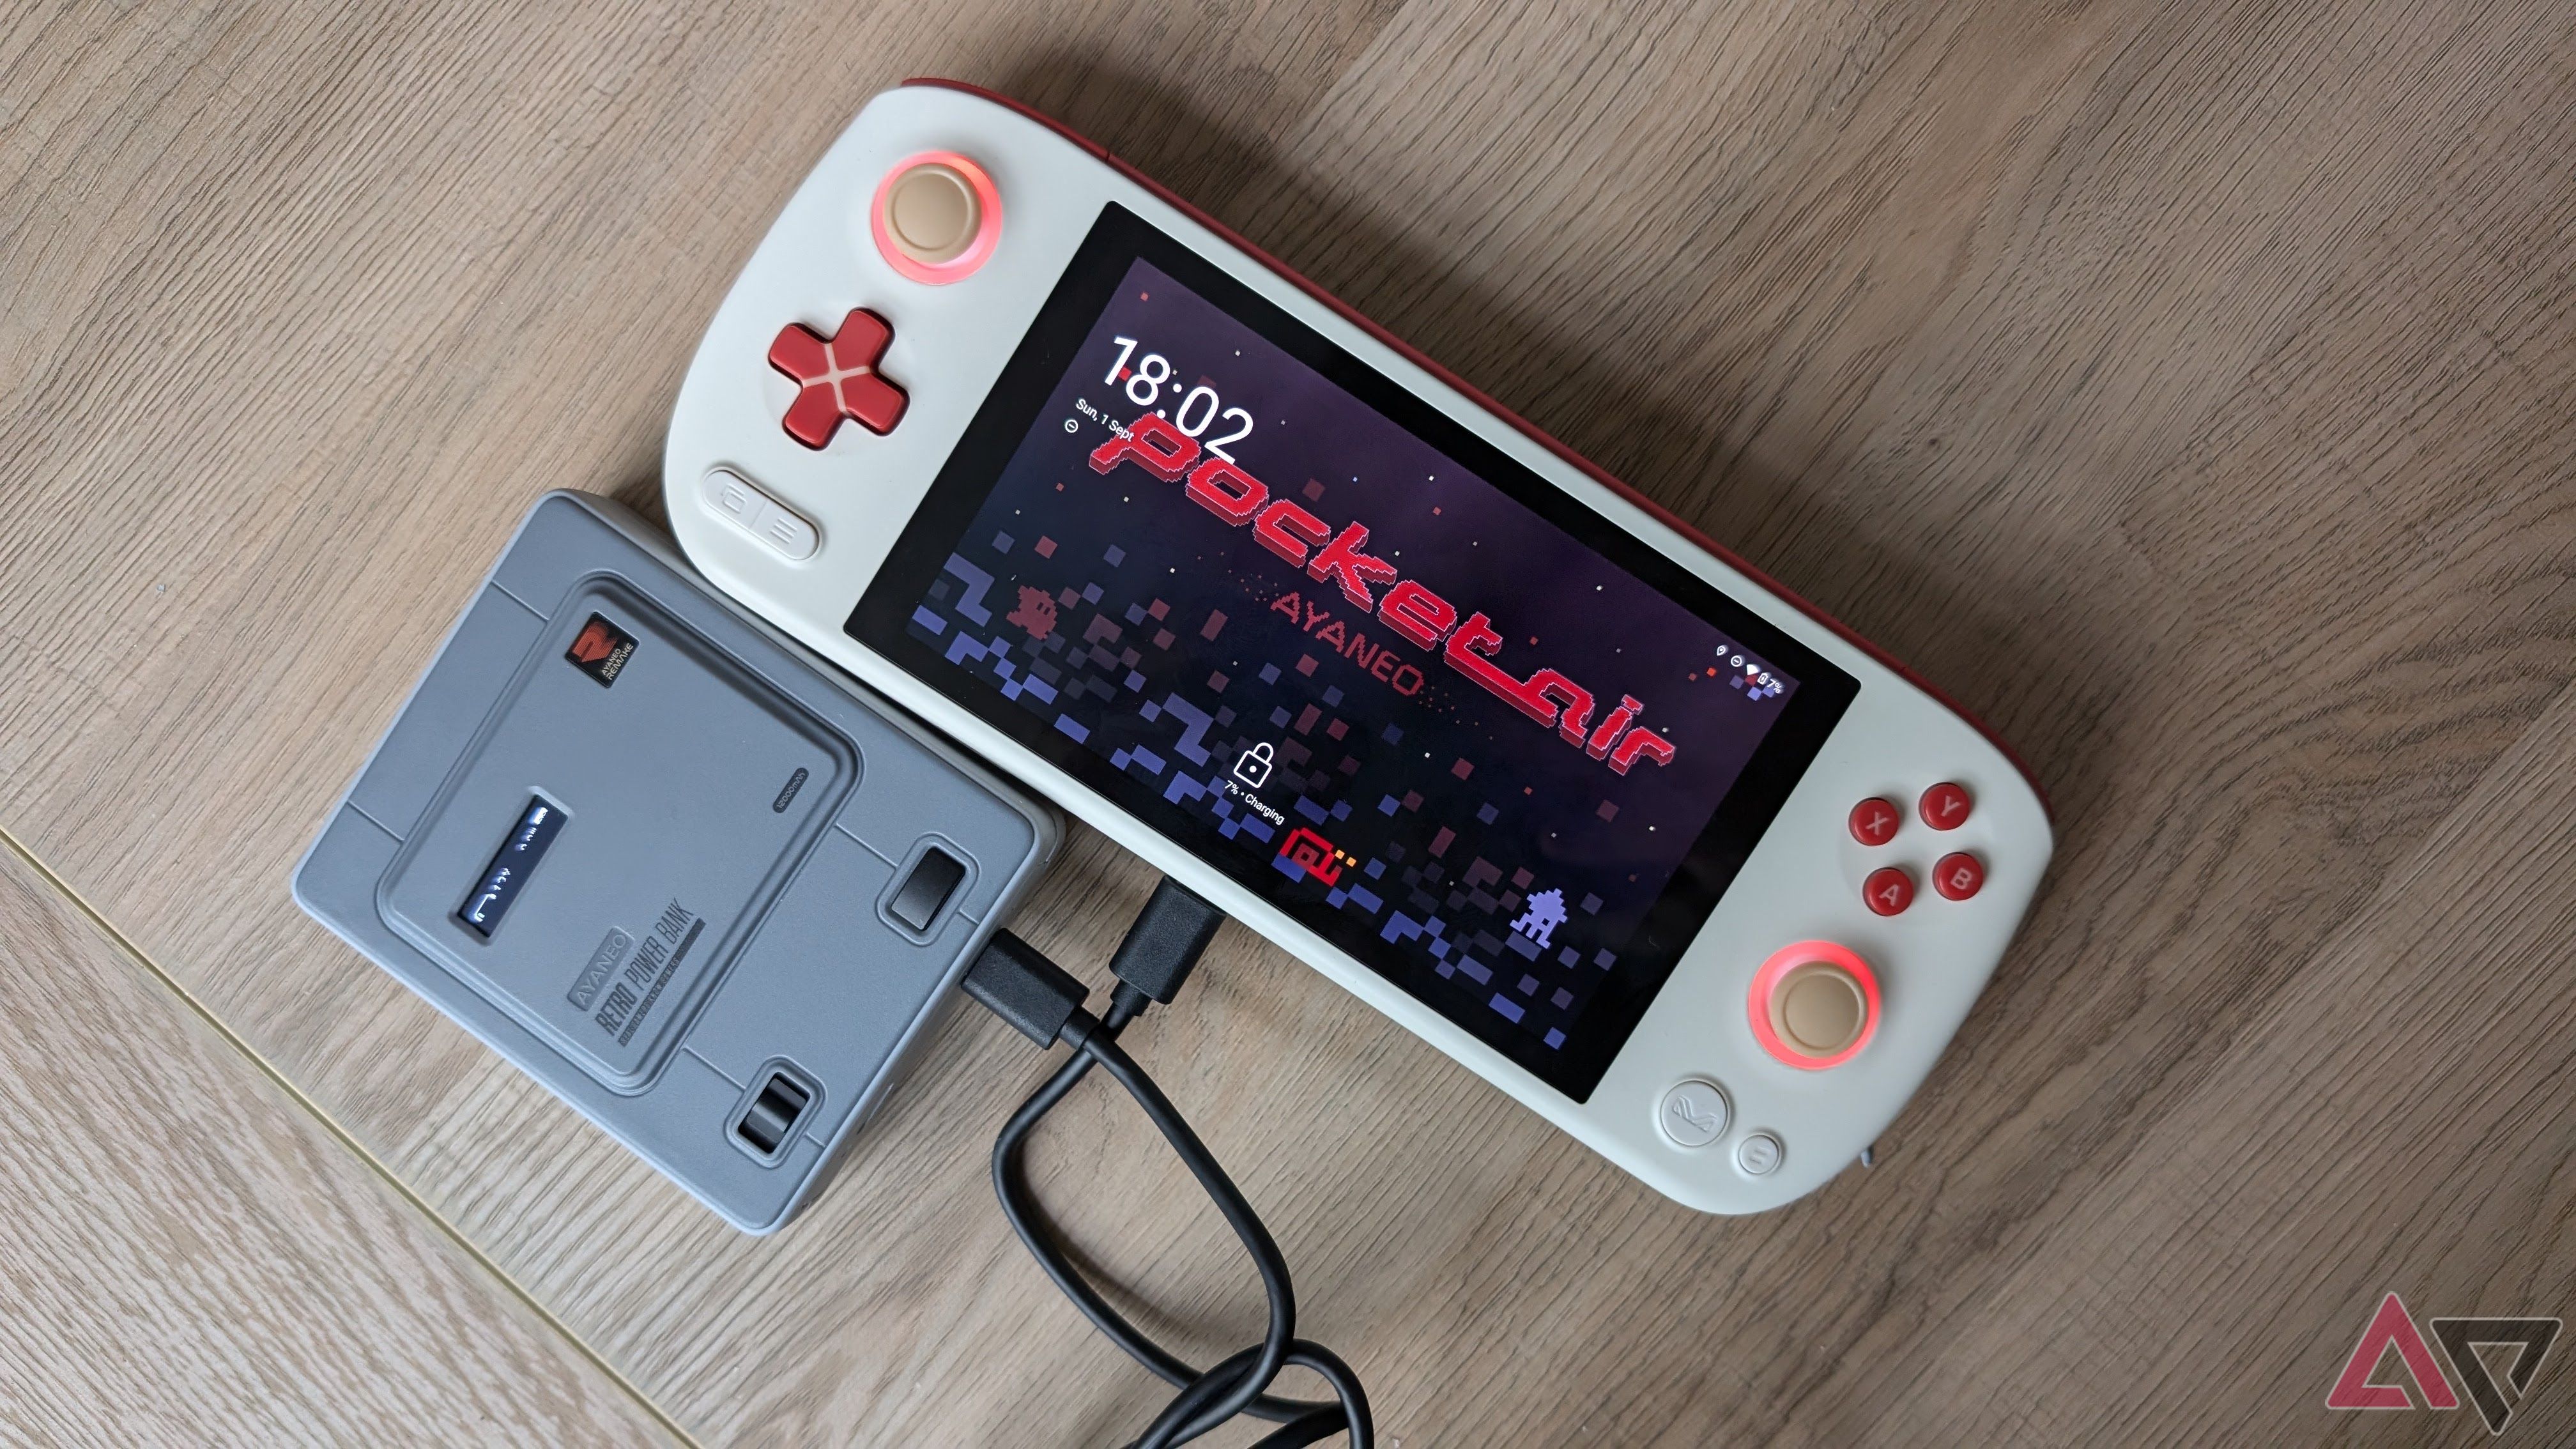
x=934, y=878
x=781, y=1101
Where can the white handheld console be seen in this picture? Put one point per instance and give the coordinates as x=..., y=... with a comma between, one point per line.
x=1128, y=509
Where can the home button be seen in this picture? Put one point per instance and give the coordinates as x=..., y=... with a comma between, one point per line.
x=1693, y=1113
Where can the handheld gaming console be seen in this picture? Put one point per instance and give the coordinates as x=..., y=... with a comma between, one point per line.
x=1166, y=533
x=701, y=887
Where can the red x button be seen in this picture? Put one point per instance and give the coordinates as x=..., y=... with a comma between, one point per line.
x=837, y=378
x=1874, y=821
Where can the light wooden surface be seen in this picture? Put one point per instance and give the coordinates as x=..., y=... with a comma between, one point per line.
x=2189, y=389
x=191, y=1259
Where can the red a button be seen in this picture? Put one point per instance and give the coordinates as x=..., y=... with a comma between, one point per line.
x=1874, y=821
x=1888, y=890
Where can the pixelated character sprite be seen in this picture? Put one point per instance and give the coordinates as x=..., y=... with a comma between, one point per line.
x=1546, y=912
x=1036, y=613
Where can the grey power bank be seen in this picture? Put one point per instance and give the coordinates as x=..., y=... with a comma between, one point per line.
x=671, y=865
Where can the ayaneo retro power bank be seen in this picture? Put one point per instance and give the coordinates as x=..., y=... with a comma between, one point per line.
x=708, y=892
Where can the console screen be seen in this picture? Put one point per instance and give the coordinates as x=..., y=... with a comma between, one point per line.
x=1349, y=653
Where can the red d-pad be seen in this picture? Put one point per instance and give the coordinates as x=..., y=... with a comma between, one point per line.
x=837, y=378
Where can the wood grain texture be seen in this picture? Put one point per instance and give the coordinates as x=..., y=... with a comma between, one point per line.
x=2189, y=389
x=191, y=1259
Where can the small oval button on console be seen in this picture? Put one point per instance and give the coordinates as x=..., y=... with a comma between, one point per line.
x=1814, y=1005
x=736, y=499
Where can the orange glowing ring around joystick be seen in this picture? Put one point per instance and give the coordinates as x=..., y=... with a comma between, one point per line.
x=988, y=220
x=1790, y=958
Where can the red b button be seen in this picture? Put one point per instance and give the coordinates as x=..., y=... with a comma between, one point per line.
x=1945, y=806
x=1888, y=890
x=1958, y=876
x=1874, y=821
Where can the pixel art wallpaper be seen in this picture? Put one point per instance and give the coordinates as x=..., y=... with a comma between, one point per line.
x=1480, y=747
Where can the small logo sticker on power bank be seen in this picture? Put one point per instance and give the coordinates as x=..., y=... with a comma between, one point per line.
x=600, y=650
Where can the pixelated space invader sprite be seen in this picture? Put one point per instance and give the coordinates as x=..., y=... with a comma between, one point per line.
x=1036, y=613
x=1546, y=912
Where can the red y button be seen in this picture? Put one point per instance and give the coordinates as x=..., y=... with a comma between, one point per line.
x=837, y=378
x=1945, y=806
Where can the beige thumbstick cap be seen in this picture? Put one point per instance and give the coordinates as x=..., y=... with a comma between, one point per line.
x=1814, y=1005
x=931, y=213
x=1818, y=1009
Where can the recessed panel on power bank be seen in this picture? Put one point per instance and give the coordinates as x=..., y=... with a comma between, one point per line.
x=623, y=744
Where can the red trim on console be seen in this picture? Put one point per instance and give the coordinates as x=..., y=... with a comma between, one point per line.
x=1590, y=469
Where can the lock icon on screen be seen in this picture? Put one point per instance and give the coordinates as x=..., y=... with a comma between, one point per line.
x=1253, y=769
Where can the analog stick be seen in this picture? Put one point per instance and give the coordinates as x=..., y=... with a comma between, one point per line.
x=936, y=217
x=1814, y=1005
x=1819, y=1009
x=931, y=213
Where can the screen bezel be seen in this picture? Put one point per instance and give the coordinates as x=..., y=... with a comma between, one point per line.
x=1002, y=422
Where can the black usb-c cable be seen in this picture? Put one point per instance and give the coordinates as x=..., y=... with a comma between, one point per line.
x=1044, y=1001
